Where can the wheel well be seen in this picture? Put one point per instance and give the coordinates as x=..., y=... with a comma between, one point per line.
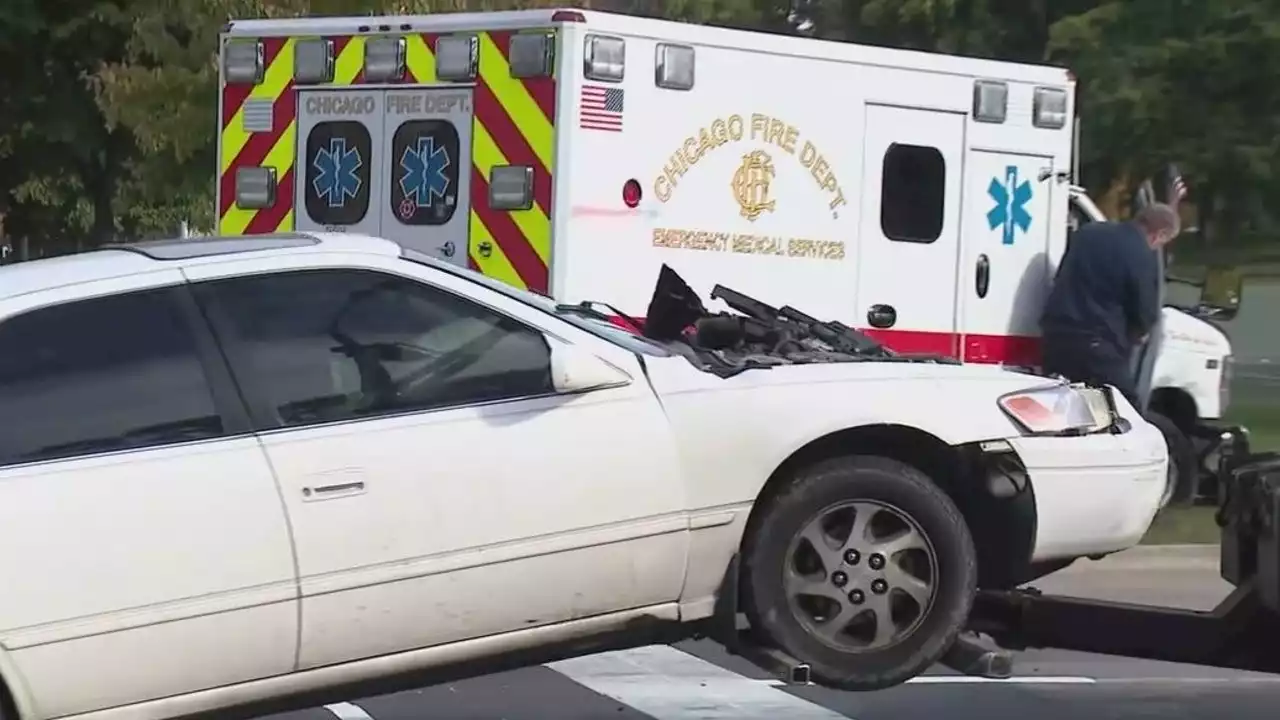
x=1003, y=528
x=8, y=708
x=1177, y=405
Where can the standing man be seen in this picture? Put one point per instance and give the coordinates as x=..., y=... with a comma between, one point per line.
x=1106, y=299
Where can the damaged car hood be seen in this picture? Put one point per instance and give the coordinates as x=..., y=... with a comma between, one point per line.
x=780, y=341
x=794, y=373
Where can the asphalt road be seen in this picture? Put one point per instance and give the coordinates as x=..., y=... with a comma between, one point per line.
x=698, y=681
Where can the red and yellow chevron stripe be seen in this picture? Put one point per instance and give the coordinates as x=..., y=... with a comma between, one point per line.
x=514, y=124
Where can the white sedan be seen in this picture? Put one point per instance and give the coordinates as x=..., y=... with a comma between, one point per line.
x=238, y=469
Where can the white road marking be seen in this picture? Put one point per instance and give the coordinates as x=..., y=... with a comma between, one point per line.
x=1224, y=680
x=348, y=711
x=970, y=680
x=1017, y=680
x=668, y=684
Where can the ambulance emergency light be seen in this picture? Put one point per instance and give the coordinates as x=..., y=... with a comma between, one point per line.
x=1049, y=108
x=243, y=61
x=511, y=187
x=604, y=58
x=255, y=187
x=457, y=57
x=532, y=54
x=313, y=61
x=673, y=67
x=384, y=59
x=990, y=101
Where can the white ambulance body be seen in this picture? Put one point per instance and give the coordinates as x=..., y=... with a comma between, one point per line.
x=923, y=198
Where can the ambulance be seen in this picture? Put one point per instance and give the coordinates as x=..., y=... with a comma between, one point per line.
x=923, y=198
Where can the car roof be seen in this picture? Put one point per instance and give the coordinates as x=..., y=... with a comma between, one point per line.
x=132, y=258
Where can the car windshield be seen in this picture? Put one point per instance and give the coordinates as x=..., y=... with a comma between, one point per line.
x=583, y=317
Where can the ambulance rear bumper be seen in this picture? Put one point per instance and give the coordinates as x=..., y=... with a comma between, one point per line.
x=1094, y=494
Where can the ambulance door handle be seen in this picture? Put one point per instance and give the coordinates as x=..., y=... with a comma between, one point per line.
x=982, y=275
x=882, y=316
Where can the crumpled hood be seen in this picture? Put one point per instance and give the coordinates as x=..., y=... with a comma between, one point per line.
x=956, y=403
x=983, y=376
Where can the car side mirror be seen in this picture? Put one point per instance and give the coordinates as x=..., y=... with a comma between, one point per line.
x=575, y=370
x=1221, y=292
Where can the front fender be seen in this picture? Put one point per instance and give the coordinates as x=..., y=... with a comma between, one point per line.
x=12, y=679
x=733, y=433
x=955, y=414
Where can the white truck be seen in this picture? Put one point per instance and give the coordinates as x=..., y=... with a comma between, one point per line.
x=922, y=198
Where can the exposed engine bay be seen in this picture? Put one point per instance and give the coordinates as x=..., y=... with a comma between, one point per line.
x=756, y=335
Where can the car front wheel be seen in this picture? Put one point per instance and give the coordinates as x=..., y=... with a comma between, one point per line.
x=863, y=569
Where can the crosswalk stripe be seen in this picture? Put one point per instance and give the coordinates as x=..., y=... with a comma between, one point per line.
x=972, y=680
x=668, y=684
x=348, y=711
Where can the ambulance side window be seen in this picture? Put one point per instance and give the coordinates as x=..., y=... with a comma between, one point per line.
x=424, y=172
x=913, y=186
x=336, y=172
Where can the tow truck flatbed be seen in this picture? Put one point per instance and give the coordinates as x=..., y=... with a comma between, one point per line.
x=1242, y=632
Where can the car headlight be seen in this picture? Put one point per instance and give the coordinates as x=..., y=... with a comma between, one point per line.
x=1060, y=409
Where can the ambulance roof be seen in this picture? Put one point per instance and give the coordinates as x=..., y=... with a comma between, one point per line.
x=666, y=30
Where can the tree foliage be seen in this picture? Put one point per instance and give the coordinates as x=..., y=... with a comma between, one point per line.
x=110, y=120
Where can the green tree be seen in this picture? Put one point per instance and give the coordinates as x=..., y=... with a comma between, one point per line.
x=1192, y=81
x=60, y=163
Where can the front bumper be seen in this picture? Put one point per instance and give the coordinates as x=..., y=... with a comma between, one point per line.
x=1094, y=494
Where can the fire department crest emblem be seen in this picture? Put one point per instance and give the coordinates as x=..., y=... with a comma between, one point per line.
x=751, y=184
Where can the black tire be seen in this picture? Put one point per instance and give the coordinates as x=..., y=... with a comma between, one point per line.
x=1181, y=488
x=814, y=491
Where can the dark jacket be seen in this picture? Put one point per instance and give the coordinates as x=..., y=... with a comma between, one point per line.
x=1107, y=287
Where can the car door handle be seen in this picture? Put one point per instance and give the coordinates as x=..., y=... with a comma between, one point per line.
x=320, y=492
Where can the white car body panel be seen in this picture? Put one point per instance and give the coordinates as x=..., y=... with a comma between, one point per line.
x=408, y=559
x=482, y=529
x=134, y=555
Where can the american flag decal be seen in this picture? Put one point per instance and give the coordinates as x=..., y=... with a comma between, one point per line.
x=600, y=108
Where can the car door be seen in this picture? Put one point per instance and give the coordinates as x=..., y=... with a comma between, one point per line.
x=471, y=501
x=142, y=542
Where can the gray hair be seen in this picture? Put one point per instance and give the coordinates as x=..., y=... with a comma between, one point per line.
x=1158, y=217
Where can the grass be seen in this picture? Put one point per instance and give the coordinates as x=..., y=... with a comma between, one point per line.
x=1265, y=270
x=1184, y=526
x=1195, y=524
x=1263, y=422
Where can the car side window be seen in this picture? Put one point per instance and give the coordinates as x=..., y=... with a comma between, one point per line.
x=114, y=373
x=333, y=345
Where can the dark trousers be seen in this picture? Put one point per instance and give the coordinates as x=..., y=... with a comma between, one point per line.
x=1082, y=358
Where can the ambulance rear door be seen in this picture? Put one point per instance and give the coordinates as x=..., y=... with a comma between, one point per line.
x=387, y=161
